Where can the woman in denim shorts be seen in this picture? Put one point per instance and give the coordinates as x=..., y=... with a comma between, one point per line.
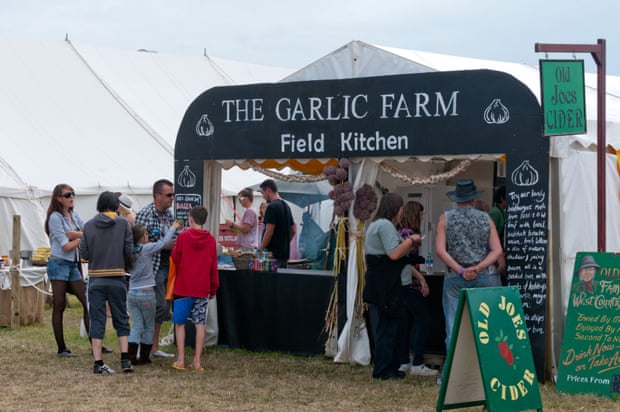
x=63, y=226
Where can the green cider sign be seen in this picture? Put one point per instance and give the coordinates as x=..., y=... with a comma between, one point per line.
x=563, y=97
x=491, y=333
x=590, y=357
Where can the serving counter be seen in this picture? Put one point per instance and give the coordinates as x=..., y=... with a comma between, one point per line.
x=274, y=311
x=285, y=310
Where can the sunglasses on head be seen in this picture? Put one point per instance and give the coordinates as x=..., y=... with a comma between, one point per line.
x=68, y=195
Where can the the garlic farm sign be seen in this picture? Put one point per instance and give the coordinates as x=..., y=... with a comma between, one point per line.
x=399, y=115
x=442, y=113
x=563, y=96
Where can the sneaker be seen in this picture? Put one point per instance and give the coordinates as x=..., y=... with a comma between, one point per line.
x=126, y=365
x=404, y=367
x=422, y=370
x=102, y=370
x=162, y=354
x=66, y=353
x=106, y=350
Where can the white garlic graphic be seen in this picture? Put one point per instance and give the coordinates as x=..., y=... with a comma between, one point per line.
x=496, y=113
x=186, y=178
x=204, y=127
x=525, y=174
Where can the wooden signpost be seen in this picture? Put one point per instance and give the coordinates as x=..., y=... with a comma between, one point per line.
x=490, y=360
x=14, y=271
x=590, y=358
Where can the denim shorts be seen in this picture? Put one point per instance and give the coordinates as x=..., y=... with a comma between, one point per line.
x=61, y=269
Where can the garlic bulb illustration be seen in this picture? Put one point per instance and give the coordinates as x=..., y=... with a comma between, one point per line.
x=204, y=127
x=186, y=178
x=525, y=174
x=496, y=113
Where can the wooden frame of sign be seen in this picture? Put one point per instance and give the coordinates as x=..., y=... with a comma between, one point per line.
x=490, y=359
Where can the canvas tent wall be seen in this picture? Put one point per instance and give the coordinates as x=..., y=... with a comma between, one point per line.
x=572, y=158
x=96, y=118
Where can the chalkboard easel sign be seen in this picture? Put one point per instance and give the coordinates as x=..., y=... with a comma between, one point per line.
x=590, y=358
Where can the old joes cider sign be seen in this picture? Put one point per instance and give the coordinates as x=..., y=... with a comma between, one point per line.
x=490, y=359
x=590, y=359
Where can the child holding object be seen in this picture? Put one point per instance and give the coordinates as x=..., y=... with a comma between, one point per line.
x=197, y=280
x=141, y=299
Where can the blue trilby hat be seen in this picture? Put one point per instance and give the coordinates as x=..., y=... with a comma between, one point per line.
x=465, y=191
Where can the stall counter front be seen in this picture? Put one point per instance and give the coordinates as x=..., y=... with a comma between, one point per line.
x=285, y=311
x=274, y=311
x=32, y=297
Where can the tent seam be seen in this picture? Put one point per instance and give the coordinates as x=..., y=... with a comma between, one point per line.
x=162, y=142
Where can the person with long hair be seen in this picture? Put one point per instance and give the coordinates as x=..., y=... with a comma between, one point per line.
x=64, y=228
x=414, y=291
x=384, y=251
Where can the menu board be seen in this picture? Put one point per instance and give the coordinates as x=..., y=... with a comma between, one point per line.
x=526, y=248
x=590, y=357
x=183, y=203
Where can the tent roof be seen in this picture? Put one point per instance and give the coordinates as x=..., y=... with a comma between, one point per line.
x=96, y=117
x=359, y=59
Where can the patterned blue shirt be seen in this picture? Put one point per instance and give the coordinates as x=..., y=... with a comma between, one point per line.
x=467, y=235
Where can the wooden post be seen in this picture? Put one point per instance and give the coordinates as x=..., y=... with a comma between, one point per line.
x=15, y=273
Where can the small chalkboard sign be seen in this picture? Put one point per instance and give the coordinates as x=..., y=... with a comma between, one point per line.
x=490, y=359
x=590, y=357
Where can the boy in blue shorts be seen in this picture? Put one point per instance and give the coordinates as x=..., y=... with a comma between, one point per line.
x=197, y=280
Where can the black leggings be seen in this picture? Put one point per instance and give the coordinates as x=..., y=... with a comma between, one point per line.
x=60, y=288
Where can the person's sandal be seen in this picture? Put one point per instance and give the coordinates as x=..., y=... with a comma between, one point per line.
x=178, y=367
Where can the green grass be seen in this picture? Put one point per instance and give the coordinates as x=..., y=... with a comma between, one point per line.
x=33, y=378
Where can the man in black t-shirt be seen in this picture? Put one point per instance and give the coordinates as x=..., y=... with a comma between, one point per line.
x=279, y=224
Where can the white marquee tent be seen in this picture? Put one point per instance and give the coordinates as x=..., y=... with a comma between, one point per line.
x=573, y=224
x=97, y=119
x=105, y=119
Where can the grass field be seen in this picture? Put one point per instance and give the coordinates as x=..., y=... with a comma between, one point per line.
x=34, y=379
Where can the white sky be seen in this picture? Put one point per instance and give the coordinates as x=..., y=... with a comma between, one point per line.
x=293, y=33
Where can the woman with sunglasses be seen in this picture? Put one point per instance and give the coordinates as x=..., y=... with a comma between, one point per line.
x=64, y=228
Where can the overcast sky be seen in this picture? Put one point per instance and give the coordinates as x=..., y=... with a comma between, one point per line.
x=295, y=33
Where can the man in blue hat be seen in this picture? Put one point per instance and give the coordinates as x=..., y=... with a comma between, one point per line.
x=467, y=242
